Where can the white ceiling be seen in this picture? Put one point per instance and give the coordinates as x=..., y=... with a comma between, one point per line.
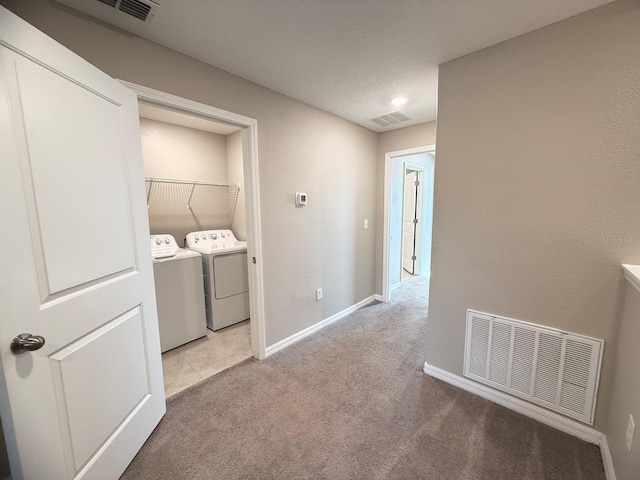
x=348, y=57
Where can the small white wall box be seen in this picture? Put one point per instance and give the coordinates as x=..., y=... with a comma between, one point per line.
x=301, y=199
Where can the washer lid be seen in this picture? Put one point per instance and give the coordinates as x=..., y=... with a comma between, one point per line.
x=181, y=254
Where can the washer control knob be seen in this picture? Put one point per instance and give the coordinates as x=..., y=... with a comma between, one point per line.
x=203, y=236
x=223, y=234
x=214, y=236
x=158, y=241
x=167, y=241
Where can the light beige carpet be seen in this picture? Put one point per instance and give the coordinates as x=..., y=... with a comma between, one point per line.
x=352, y=402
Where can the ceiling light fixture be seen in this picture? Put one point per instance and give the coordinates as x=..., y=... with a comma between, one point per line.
x=398, y=101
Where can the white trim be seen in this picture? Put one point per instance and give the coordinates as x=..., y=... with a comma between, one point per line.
x=386, y=291
x=395, y=286
x=543, y=415
x=377, y=297
x=607, y=461
x=276, y=347
x=252, y=195
x=632, y=274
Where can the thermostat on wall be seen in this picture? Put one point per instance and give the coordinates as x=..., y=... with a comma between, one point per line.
x=301, y=199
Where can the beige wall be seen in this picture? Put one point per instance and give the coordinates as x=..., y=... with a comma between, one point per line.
x=176, y=152
x=300, y=149
x=625, y=397
x=173, y=151
x=235, y=171
x=538, y=183
x=420, y=135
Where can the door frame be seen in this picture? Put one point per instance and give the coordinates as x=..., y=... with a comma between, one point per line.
x=388, y=158
x=252, y=195
x=420, y=174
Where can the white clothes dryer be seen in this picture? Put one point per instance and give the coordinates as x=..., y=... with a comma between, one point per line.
x=226, y=277
x=179, y=292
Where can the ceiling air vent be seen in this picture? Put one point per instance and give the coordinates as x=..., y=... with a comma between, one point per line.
x=135, y=8
x=131, y=15
x=387, y=119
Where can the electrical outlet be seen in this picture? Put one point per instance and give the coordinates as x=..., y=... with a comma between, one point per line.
x=366, y=223
x=318, y=294
x=631, y=430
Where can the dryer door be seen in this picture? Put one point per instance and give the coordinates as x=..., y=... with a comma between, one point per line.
x=230, y=275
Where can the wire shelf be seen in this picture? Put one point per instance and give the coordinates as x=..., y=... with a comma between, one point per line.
x=201, y=198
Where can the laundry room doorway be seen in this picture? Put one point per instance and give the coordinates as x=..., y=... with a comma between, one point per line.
x=408, y=216
x=201, y=178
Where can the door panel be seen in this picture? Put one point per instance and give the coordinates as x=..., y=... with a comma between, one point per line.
x=408, y=225
x=82, y=216
x=76, y=265
x=94, y=414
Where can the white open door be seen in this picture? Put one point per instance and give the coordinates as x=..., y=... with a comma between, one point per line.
x=75, y=266
x=409, y=221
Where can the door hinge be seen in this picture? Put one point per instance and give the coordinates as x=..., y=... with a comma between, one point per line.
x=415, y=220
x=417, y=182
x=254, y=259
x=413, y=257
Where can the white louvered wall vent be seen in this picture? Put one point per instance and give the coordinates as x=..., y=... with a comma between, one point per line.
x=392, y=118
x=131, y=15
x=554, y=369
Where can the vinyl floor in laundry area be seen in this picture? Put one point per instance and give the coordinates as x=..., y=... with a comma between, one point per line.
x=191, y=363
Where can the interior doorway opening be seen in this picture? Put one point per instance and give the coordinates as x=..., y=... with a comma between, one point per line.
x=408, y=216
x=201, y=175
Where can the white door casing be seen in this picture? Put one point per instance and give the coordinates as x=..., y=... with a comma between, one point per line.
x=409, y=220
x=76, y=265
x=388, y=227
x=252, y=194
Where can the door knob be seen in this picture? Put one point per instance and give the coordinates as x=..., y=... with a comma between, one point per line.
x=26, y=341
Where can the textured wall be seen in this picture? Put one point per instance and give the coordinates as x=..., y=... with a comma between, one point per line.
x=625, y=396
x=173, y=151
x=235, y=170
x=300, y=149
x=537, y=198
x=410, y=137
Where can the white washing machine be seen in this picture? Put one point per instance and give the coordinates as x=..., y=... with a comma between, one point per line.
x=179, y=292
x=226, y=278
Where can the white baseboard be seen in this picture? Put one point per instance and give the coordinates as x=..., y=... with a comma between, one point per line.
x=607, y=461
x=378, y=297
x=547, y=417
x=393, y=287
x=276, y=347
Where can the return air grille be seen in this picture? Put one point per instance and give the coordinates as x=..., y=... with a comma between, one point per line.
x=135, y=9
x=131, y=15
x=392, y=118
x=553, y=369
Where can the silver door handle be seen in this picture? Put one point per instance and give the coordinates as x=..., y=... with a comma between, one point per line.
x=26, y=342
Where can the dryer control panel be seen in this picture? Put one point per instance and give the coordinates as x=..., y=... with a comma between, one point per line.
x=163, y=246
x=209, y=241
